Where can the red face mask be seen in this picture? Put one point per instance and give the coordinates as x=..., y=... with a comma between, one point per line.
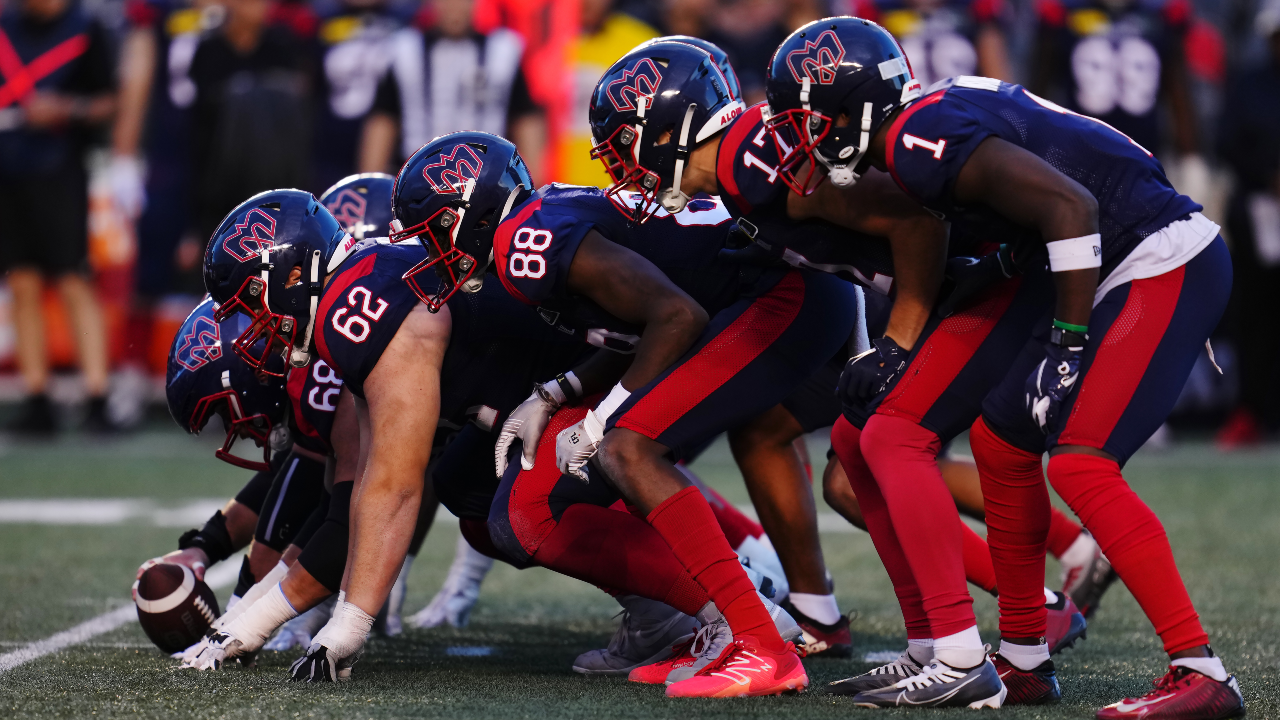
x=451, y=265
x=796, y=134
x=619, y=157
x=254, y=427
x=272, y=330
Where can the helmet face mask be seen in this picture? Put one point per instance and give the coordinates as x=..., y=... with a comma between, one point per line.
x=257, y=428
x=451, y=265
x=268, y=334
x=796, y=134
x=620, y=155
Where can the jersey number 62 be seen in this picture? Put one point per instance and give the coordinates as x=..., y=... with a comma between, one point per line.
x=356, y=328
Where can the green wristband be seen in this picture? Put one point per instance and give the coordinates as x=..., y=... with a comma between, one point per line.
x=1069, y=327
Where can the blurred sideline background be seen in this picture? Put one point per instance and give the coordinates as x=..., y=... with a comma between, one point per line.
x=212, y=100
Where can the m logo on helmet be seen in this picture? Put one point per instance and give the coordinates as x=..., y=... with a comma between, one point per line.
x=451, y=172
x=347, y=207
x=641, y=80
x=199, y=347
x=818, y=59
x=251, y=235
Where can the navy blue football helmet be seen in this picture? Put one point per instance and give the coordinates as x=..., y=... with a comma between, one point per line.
x=664, y=86
x=451, y=194
x=247, y=267
x=205, y=377
x=361, y=204
x=841, y=67
x=720, y=56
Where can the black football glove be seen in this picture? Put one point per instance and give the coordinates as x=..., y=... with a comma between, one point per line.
x=1054, y=379
x=867, y=374
x=967, y=276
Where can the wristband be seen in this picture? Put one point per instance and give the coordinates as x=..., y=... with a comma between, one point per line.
x=1079, y=253
x=1069, y=327
x=570, y=385
x=550, y=393
x=610, y=404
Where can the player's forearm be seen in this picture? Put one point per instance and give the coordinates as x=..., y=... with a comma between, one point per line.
x=919, y=259
x=601, y=371
x=383, y=516
x=1076, y=289
x=670, y=331
x=137, y=65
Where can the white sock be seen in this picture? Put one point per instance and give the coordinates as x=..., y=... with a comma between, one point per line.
x=962, y=650
x=232, y=602
x=1024, y=657
x=822, y=608
x=1210, y=666
x=1080, y=551
x=258, y=590
x=921, y=650
x=1050, y=597
x=256, y=624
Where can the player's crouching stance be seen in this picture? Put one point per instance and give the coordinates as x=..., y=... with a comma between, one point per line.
x=1141, y=279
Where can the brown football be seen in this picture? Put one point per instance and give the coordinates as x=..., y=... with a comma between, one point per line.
x=174, y=608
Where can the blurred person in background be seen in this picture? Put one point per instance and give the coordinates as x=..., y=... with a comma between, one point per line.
x=747, y=30
x=56, y=88
x=448, y=77
x=151, y=166
x=604, y=36
x=943, y=38
x=1250, y=146
x=1124, y=62
x=250, y=119
x=354, y=54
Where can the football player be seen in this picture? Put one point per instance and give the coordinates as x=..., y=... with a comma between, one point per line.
x=1130, y=263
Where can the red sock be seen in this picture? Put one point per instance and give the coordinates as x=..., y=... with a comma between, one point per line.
x=977, y=560
x=1133, y=540
x=686, y=522
x=618, y=551
x=1063, y=531
x=845, y=441
x=1017, y=512
x=737, y=527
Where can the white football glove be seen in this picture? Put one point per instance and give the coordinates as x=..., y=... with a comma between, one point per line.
x=527, y=423
x=336, y=647
x=577, y=443
x=128, y=187
x=215, y=650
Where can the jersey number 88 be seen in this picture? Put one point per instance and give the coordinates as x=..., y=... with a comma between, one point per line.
x=530, y=264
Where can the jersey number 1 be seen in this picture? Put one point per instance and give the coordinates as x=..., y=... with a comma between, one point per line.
x=911, y=142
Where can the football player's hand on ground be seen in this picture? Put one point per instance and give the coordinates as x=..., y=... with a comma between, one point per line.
x=577, y=443
x=527, y=423
x=192, y=557
x=214, y=650
x=336, y=648
x=1053, y=380
x=868, y=373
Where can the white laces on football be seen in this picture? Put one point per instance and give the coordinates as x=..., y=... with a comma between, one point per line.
x=934, y=672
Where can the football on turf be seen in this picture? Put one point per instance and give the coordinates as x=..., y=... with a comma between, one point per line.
x=174, y=608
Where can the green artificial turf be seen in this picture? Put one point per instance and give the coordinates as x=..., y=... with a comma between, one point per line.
x=1220, y=512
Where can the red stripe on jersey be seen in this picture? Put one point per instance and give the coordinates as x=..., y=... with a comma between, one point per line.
x=337, y=287
x=1122, y=359
x=891, y=140
x=502, y=246
x=730, y=150
x=949, y=348
x=724, y=356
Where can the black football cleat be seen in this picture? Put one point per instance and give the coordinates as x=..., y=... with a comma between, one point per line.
x=1038, y=686
x=877, y=678
x=820, y=639
x=941, y=686
x=1182, y=694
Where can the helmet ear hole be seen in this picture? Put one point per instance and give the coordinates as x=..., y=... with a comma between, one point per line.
x=486, y=220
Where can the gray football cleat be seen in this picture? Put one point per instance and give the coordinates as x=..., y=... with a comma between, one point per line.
x=647, y=634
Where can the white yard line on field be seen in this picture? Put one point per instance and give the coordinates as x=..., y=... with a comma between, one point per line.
x=220, y=576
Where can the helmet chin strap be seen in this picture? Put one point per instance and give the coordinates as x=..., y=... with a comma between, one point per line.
x=842, y=175
x=301, y=357
x=672, y=199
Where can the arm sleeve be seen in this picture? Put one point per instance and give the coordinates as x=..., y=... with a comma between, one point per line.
x=387, y=99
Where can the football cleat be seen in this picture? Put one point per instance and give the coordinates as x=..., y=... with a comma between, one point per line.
x=1038, y=686
x=942, y=686
x=649, y=632
x=460, y=592
x=876, y=678
x=744, y=669
x=1065, y=624
x=821, y=640
x=1086, y=574
x=1182, y=694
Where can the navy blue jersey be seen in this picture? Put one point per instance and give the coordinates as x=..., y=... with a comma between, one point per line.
x=313, y=398
x=929, y=143
x=498, y=348
x=1106, y=60
x=176, y=27
x=534, y=248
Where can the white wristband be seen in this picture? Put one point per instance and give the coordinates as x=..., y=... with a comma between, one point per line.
x=1075, y=253
x=574, y=382
x=552, y=388
x=612, y=402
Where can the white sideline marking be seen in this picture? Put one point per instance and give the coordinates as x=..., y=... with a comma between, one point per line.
x=222, y=575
